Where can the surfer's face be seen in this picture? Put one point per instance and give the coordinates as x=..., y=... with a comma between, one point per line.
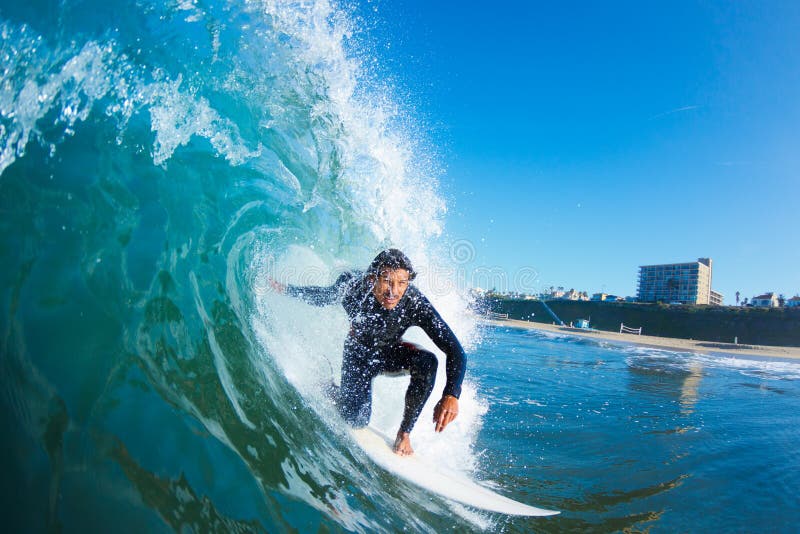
x=390, y=286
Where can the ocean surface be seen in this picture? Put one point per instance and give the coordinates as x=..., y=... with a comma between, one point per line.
x=634, y=439
x=159, y=163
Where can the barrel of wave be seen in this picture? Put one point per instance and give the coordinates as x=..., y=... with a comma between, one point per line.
x=306, y=344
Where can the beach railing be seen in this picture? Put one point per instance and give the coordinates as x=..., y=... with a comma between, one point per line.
x=628, y=330
x=494, y=315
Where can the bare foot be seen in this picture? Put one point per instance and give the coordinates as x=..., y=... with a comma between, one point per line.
x=402, y=444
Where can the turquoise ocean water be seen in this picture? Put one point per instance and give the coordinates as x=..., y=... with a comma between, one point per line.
x=158, y=160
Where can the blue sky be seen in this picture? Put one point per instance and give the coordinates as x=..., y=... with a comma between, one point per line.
x=582, y=140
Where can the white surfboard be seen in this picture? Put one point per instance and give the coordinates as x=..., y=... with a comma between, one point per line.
x=443, y=482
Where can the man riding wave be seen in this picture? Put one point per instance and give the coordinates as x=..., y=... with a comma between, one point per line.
x=381, y=305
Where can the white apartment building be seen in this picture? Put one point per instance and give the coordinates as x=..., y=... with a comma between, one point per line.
x=684, y=283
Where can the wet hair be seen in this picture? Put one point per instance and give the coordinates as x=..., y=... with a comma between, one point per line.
x=391, y=259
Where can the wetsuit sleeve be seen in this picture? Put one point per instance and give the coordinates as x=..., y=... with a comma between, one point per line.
x=321, y=295
x=444, y=338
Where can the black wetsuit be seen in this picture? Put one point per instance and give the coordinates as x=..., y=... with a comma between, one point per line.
x=373, y=346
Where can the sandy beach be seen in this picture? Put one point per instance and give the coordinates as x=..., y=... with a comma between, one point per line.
x=667, y=343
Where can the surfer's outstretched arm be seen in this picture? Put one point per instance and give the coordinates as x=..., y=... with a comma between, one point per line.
x=317, y=295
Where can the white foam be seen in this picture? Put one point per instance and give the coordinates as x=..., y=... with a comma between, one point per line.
x=387, y=191
x=36, y=80
x=177, y=116
x=760, y=367
x=76, y=79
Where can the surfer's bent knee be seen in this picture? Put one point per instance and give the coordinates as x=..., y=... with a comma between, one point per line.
x=427, y=363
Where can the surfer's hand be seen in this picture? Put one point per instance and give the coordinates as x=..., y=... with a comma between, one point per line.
x=402, y=444
x=445, y=411
x=276, y=286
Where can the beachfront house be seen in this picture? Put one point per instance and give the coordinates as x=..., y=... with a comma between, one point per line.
x=767, y=300
x=575, y=295
x=793, y=302
x=556, y=294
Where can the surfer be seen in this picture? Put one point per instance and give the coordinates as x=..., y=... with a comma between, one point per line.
x=381, y=305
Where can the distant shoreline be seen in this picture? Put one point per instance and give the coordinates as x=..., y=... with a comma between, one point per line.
x=666, y=343
x=770, y=327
